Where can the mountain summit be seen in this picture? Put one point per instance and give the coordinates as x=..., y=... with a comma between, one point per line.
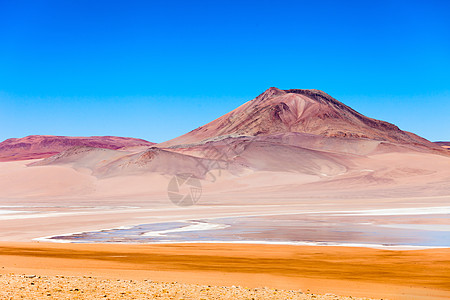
x=301, y=111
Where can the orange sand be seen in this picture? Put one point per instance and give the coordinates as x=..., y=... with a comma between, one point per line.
x=346, y=271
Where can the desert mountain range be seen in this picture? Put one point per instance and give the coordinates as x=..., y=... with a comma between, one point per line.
x=41, y=146
x=278, y=133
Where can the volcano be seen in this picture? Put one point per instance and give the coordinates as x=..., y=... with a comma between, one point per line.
x=297, y=111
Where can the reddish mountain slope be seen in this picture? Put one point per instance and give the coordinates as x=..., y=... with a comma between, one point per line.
x=41, y=146
x=302, y=131
x=301, y=111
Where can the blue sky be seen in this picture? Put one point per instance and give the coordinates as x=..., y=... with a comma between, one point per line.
x=158, y=69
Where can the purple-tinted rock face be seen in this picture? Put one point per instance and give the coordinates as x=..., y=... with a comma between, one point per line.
x=41, y=146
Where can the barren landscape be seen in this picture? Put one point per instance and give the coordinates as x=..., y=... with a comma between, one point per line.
x=293, y=187
x=213, y=271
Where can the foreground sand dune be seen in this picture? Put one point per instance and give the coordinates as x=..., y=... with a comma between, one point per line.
x=346, y=271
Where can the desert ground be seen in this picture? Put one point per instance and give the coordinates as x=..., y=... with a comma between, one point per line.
x=395, y=270
x=275, y=271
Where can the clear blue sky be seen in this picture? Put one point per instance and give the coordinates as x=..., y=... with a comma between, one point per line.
x=157, y=69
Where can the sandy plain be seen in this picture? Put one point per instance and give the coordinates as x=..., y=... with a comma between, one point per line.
x=57, y=200
x=345, y=271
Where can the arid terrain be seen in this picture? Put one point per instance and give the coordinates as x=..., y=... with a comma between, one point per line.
x=272, y=270
x=288, y=171
x=41, y=146
x=72, y=287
